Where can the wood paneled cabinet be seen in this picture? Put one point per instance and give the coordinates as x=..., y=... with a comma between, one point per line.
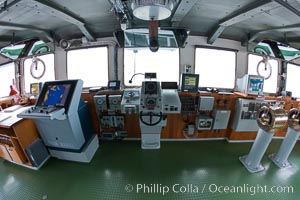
x=15, y=136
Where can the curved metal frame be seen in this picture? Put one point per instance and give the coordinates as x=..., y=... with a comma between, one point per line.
x=34, y=65
x=267, y=64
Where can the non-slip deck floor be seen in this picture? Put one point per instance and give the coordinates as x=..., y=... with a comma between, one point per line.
x=185, y=165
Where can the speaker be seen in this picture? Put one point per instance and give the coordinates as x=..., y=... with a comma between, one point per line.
x=100, y=102
x=115, y=102
x=65, y=44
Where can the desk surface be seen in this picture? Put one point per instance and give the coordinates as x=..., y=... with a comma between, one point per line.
x=7, y=119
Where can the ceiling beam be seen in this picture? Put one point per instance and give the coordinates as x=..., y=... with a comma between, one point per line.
x=9, y=39
x=288, y=6
x=239, y=15
x=182, y=10
x=255, y=35
x=21, y=27
x=9, y=5
x=68, y=16
x=218, y=30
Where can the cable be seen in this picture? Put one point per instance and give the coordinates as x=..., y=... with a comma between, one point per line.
x=130, y=81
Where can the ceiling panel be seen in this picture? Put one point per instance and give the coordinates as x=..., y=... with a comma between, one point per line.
x=100, y=19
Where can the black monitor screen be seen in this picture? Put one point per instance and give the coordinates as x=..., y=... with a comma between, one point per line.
x=169, y=85
x=57, y=93
x=189, y=82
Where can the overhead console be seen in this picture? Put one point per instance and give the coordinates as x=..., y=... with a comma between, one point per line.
x=63, y=121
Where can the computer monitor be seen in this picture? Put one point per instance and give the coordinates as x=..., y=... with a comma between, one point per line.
x=35, y=88
x=114, y=85
x=255, y=83
x=189, y=82
x=250, y=84
x=57, y=94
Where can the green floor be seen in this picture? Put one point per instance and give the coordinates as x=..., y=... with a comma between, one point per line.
x=195, y=168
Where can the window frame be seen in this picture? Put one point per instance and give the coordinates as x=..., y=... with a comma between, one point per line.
x=221, y=49
x=23, y=68
x=89, y=47
x=284, y=88
x=15, y=74
x=278, y=69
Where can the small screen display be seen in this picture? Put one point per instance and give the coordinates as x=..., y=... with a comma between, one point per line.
x=169, y=85
x=112, y=84
x=35, y=88
x=56, y=95
x=255, y=84
x=189, y=82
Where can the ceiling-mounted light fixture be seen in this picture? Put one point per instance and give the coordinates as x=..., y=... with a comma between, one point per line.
x=152, y=9
x=153, y=35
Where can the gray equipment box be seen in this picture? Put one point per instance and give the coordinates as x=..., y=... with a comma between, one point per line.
x=221, y=118
x=245, y=115
x=206, y=103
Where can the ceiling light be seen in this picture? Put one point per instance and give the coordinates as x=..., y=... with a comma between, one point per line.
x=152, y=9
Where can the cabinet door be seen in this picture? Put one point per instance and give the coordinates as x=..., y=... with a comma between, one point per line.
x=16, y=152
x=4, y=152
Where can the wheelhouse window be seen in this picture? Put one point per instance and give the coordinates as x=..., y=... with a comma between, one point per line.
x=216, y=67
x=165, y=63
x=257, y=65
x=292, y=79
x=38, y=70
x=89, y=65
x=7, y=75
